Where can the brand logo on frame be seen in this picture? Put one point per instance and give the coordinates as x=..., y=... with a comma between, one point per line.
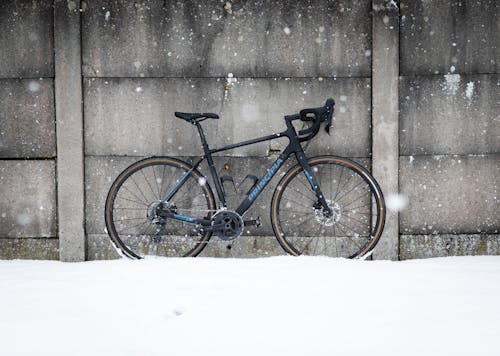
x=270, y=172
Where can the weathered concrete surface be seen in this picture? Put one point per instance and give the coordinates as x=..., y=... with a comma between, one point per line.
x=135, y=116
x=385, y=71
x=451, y=114
x=69, y=113
x=450, y=194
x=209, y=38
x=27, y=248
x=440, y=37
x=26, y=39
x=28, y=203
x=427, y=246
x=27, y=127
x=100, y=247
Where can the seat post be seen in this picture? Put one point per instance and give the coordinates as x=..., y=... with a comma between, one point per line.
x=202, y=137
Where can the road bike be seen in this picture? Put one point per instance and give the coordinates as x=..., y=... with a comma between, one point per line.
x=324, y=205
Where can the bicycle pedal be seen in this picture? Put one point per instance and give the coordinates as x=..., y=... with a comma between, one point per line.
x=255, y=222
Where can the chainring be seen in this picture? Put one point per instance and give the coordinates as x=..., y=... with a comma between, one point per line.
x=232, y=224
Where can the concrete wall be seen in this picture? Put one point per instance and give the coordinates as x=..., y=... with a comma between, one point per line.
x=205, y=39
x=177, y=56
x=437, y=89
x=449, y=128
x=28, y=217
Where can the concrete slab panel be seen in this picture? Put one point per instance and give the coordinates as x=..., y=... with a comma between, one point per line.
x=30, y=249
x=351, y=129
x=26, y=39
x=28, y=204
x=27, y=125
x=451, y=114
x=428, y=246
x=450, y=194
x=244, y=247
x=213, y=38
x=440, y=37
x=135, y=116
x=100, y=247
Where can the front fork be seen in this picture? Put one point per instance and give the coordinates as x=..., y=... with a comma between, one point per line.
x=327, y=212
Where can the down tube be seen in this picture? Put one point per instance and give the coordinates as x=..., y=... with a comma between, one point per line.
x=261, y=184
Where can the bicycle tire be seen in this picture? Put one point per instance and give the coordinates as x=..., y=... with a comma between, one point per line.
x=299, y=224
x=137, y=189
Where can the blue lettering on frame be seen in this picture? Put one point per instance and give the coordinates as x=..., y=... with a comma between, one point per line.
x=261, y=184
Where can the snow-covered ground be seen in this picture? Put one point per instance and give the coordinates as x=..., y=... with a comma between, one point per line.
x=269, y=306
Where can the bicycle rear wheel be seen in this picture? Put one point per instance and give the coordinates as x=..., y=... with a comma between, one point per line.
x=135, y=194
x=352, y=194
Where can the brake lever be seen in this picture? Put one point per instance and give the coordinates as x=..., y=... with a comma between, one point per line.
x=328, y=124
x=330, y=105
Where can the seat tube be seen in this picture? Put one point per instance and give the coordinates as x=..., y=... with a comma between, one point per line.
x=211, y=166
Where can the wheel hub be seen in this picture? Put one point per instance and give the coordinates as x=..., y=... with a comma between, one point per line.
x=155, y=210
x=331, y=220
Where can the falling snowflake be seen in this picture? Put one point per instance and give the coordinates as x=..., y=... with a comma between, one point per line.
x=34, y=86
x=396, y=202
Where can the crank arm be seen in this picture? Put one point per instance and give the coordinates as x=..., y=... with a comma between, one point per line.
x=212, y=228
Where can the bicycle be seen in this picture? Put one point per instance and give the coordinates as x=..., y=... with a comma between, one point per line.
x=323, y=205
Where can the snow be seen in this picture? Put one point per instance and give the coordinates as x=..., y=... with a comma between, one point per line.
x=469, y=92
x=202, y=181
x=34, y=86
x=396, y=202
x=452, y=83
x=268, y=306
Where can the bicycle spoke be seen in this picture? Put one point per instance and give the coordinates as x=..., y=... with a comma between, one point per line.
x=357, y=185
x=344, y=233
x=135, y=196
x=140, y=190
x=149, y=185
x=131, y=225
x=133, y=201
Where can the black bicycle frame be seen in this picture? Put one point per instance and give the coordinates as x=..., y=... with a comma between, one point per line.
x=293, y=147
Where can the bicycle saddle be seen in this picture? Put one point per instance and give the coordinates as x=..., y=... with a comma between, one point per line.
x=192, y=117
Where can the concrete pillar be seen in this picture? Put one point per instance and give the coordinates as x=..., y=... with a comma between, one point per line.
x=69, y=130
x=385, y=119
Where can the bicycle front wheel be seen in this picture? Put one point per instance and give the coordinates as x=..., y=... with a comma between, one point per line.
x=134, y=197
x=354, y=197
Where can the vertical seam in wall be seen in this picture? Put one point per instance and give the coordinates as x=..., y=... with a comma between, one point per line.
x=371, y=87
x=82, y=106
x=56, y=167
x=399, y=122
x=399, y=51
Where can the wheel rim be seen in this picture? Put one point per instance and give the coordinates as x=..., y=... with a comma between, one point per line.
x=137, y=191
x=354, y=198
